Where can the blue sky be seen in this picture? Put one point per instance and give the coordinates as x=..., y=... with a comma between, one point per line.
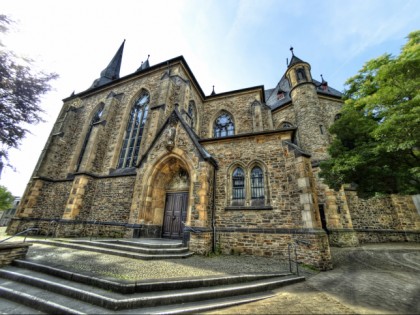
x=227, y=43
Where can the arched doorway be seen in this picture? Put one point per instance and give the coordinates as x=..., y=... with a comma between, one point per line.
x=167, y=199
x=176, y=204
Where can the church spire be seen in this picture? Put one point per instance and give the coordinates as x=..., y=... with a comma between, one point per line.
x=112, y=71
x=294, y=59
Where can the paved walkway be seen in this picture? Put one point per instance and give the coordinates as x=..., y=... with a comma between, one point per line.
x=371, y=279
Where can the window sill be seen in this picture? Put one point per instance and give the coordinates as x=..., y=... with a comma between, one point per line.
x=229, y=208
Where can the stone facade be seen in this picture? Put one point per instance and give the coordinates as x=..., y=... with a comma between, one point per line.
x=149, y=155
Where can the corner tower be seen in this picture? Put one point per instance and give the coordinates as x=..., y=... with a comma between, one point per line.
x=312, y=134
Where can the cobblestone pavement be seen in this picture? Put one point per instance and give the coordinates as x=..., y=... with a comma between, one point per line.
x=370, y=279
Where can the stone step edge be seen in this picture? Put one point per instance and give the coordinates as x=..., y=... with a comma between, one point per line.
x=112, y=251
x=146, y=245
x=129, y=248
x=129, y=287
x=198, y=307
x=189, y=308
x=36, y=302
x=148, y=301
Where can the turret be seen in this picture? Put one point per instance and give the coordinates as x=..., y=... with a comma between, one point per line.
x=311, y=134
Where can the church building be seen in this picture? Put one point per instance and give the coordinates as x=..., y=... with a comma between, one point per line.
x=150, y=155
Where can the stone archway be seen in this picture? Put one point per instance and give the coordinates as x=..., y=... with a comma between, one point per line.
x=169, y=197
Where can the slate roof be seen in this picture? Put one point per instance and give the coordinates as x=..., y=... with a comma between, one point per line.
x=144, y=65
x=272, y=100
x=295, y=60
x=112, y=71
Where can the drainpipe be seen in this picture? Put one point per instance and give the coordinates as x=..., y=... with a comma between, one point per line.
x=213, y=217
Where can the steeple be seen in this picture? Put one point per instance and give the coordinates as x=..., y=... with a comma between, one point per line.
x=144, y=65
x=213, y=92
x=294, y=59
x=112, y=71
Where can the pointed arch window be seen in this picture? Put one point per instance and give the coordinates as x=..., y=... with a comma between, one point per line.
x=95, y=119
x=257, y=186
x=134, y=132
x=238, y=186
x=223, y=126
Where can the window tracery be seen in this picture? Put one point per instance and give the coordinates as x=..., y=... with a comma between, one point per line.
x=223, y=126
x=134, y=131
x=248, y=187
x=257, y=186
x=238, y=186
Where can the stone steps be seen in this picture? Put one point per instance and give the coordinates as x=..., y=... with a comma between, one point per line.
x=127, y=249
x=53, y=290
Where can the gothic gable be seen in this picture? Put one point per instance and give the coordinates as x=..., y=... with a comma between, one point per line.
x=176, y=133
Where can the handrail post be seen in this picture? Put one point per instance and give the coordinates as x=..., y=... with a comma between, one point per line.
x=290, y=258
x=91, y=233
x=296, y=261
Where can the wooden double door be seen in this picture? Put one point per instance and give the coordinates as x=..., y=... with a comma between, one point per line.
x=175, y=214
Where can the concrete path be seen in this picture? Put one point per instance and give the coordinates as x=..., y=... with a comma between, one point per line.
x=371, y=279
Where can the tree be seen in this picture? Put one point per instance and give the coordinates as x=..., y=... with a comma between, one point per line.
x=6, y=198
x=20, y=95
x=377, y=137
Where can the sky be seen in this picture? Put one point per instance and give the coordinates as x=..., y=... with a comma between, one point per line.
x=231, y=44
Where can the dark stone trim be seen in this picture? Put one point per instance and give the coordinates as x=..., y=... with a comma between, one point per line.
x=71, y=176
x=102, y=122
x=298, y=151
x=246, y=135
x=74, y=109
x=102, y=223
x=62, y=221
x=270, y=230
x=118, y=96
x=59, y=134
x=126, y=171
x=51, y=180
x=379, y=231
x=247, y=208
x=385, y=231
x=157, y=106
x=302, y=83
